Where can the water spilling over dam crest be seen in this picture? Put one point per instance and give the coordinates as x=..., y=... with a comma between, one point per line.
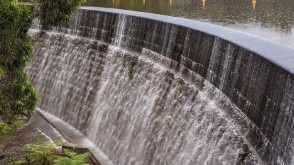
x=167, y=90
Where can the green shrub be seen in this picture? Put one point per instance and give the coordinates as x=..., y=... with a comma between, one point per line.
x=41, y=153
x=58, y=12
x=17, y=95
x=5, y=127
x=44, y=153
x=72, y=158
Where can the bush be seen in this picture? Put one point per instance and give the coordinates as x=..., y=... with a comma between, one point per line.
x=72, y=158
x=17, y=95
x=57, y=12
x=41, y=153
x=5, y=128
x=44, y=153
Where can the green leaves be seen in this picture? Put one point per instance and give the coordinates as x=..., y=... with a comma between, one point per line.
x=17, y=95
x=72, y=158
x=5, y=128
x=43, y=153
x=15, y=45
x=58, y=12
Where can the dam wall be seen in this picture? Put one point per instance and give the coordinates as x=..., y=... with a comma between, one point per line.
x=153, y=89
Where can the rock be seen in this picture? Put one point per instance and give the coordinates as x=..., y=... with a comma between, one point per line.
x=2, y=155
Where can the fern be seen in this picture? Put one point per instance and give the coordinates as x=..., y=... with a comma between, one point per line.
x=72, y=158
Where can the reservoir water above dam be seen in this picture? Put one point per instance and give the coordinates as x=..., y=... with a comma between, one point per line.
x=269, y=19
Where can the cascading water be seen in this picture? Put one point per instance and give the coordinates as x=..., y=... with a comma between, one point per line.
x=120, y=30
x=144, y=94
x=155, y=117
x=134, y=109
x=66, y=75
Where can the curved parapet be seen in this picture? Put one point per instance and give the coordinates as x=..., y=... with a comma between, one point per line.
x=255, y=75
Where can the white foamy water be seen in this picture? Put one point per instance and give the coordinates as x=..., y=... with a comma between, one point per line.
x=133, y=108
x=147, y=91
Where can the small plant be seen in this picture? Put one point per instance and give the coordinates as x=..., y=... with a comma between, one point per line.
x=5, y=127
x=42, y=153
x=9, y=156
x=72, y=158
x=17, y=123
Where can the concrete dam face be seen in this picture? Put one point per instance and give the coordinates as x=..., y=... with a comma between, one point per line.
x=152, y=89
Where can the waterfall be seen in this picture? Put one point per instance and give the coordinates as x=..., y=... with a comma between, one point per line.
x=155, y=114
x=121, y=25
x=131, y=107
x=66, y=74
x=145, y=91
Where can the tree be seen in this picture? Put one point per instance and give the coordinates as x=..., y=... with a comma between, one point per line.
x=57, y=12
x=17, y=95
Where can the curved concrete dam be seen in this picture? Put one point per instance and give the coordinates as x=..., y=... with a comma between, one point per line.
x=153, y=89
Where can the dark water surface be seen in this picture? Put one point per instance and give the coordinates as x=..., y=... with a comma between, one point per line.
x=269, y=19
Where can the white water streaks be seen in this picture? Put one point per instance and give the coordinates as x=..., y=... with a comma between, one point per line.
x=134, y=109
x=152, y=89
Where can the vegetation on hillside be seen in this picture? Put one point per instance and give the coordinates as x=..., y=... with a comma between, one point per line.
x=18, y=97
